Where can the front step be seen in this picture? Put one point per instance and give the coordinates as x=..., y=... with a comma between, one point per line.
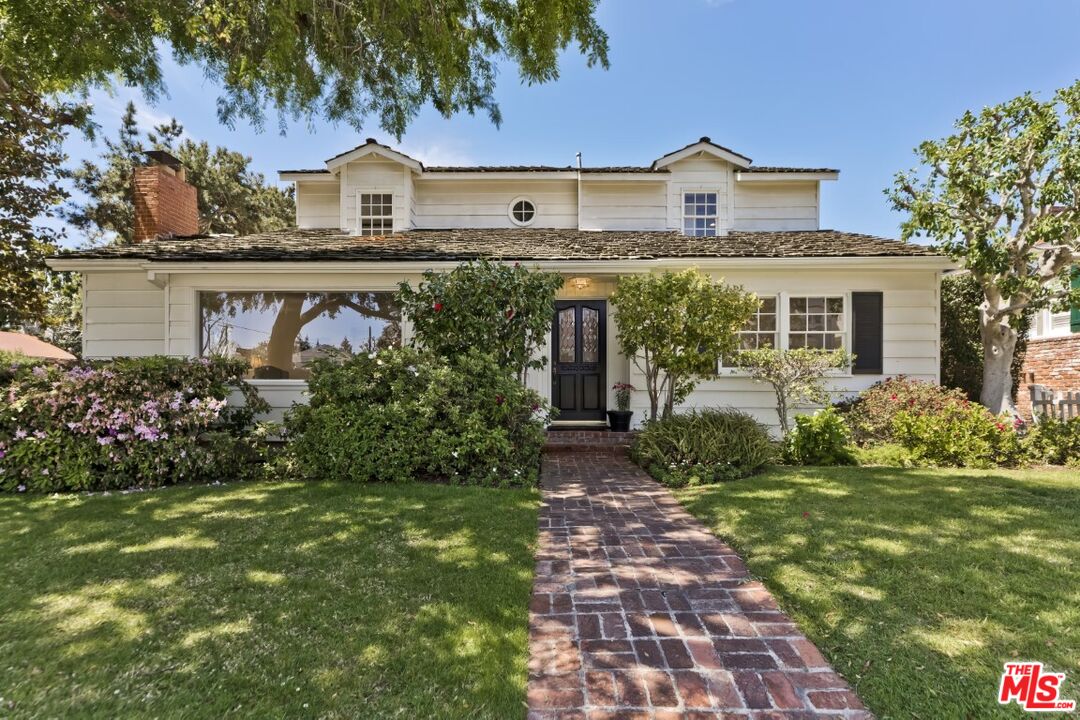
x=559, y=440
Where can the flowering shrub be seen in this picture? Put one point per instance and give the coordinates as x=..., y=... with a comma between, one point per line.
x=133, y=422
x=404, y=415
x=958, y=435
x=819, y=439
x=701, y=447
x=1054, y=442
x=870, y=414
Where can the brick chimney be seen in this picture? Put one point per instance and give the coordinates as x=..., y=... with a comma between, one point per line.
x=165, y=205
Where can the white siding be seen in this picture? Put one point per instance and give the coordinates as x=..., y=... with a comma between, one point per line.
x=623, y=205
x=318, y=204
x=374, y=174
x=484, y=203
x=124, y=314
x=776, y=206
x=705, y=174
x=910, y=337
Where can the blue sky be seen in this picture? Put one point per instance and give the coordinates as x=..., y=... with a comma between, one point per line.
x=852, y=84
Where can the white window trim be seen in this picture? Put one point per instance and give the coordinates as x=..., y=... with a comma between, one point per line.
x=728, y=369
x=515, y=201
x=682, y=208
x=783, y=328
x=279, y=383
x=374, y=191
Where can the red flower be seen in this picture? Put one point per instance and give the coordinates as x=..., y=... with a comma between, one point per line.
x=806, y=514
x=499, y=399
x=535, y=407
x=1000, y=426
x=509, y=313
x=894, y=396
x=517, y=264
x=437, y=307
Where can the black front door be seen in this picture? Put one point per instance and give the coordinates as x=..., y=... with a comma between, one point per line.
x=578, y=358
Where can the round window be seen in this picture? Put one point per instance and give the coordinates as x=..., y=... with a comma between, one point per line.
x=522, y=211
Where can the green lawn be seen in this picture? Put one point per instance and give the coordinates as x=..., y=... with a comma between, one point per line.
x=267, y=600
x=917, y=584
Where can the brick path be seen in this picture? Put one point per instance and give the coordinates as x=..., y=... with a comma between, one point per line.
x=639, y=612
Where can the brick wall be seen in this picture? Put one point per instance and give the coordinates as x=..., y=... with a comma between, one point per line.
x=164, y=204
x=1055, y=363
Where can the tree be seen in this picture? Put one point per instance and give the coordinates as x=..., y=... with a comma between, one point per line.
x=31, y=134
x=500, y=309
x=675, y=327
x=341, y=59
x=1001, y=197
x=231, y=198
x=961, y=341
x=797, y=376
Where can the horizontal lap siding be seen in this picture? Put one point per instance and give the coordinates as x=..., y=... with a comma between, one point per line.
x=623, y=206
x=442, y=204
x=699, y=174
x=124, y=315
x=779, y=206
x=318, y=205
x=374, y=175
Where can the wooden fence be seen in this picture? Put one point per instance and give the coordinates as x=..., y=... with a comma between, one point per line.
x=1061, y=405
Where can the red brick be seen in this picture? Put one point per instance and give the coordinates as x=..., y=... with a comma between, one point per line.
x=834, y=700
x=661, y=689
x=600, y=689
x=753, y=690
x=783, y=693
x=555, y=691
x=692, y=689
x=630, y=690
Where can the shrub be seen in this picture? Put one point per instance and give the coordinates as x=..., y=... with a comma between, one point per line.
x=870, y=414
x=819, y=439
x=958, y=435
x=797, y=376
x=133, y=422
x=884, y=454
x=1054, y=442
x=11, y=362
x=702, y=447
x=404, y=415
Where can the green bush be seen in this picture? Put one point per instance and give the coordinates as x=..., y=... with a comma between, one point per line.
x=1054, y=442
x=702, y=447
x=132, y=422
x=404, y=415
x=885, y=455
x=959, y=435
x=819, y=439
x=870, y=414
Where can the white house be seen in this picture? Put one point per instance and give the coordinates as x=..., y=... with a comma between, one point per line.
x=372, y=216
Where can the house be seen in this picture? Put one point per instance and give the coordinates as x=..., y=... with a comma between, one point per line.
x=1053, y=353
x=30, y=346
x=373, y=216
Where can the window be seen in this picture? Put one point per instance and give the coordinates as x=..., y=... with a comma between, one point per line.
x=281, y=333
x=522, y=211
x=699, y=214
x=816, y=322
x=376, y=216
x=760, y=330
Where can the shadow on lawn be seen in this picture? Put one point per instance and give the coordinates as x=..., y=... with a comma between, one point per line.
x=917, y=584
x=268, y=599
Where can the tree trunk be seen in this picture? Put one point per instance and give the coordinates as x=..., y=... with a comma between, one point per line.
x=287, y=325
x=999, y=345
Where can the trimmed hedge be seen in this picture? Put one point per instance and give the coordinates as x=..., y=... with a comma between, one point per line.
x=701, y=447
x=130, y=422
x=404, y=415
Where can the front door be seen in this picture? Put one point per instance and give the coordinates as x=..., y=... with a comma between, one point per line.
x=578, y=342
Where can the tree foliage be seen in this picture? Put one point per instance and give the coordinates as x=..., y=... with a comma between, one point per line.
x=231, y=197
x=499, y=309
x=961, y=341
x=342, y=59
x=675, y=327
x=1001, y=196
x=797, y=375
x=31, y=134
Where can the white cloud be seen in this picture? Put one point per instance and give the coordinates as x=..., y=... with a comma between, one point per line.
x=438, y=152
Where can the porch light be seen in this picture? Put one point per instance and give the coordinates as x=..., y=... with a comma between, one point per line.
x=581, y=283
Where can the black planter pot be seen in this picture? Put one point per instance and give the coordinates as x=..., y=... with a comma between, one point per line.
x=619, y=420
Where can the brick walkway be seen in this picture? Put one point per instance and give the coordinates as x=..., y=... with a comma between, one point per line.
x=639, y=612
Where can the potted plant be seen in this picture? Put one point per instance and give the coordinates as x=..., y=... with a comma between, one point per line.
x=620, y=419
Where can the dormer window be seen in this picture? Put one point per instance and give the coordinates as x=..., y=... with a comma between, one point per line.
x=700, y=217
x=375, y=213
x=522, y=211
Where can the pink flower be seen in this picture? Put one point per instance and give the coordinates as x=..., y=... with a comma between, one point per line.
x=499, y=399
x=806, y=515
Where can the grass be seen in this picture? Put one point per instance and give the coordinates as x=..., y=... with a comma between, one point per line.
x=267, y=600
x=917, y=584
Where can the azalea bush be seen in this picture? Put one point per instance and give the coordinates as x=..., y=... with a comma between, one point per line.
x=1054, y=442
x=132, y=422
x=504, y=310
x=819, y=439
x=700, y=447
x=407, y=414
x=962, y=434
x=870, y=414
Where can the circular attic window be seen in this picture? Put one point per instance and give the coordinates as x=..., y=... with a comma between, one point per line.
x=522, y=211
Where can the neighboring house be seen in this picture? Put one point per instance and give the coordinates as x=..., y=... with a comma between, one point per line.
x=372, y=216
x=30, y=346
x=1053, y=353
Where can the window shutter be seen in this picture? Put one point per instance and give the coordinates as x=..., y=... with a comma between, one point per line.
x=867, y=317
x=1074, y=316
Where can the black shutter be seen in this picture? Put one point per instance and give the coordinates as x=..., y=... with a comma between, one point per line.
x=867, y=311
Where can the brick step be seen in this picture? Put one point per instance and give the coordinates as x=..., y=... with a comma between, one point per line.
x=591, y=440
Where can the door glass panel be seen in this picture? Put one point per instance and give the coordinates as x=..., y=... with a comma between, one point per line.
x=567, y=336
x=590, y=335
